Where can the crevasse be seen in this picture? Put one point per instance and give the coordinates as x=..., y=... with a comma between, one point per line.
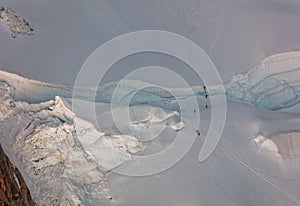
x=273, y=84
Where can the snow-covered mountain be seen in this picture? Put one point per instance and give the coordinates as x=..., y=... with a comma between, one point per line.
x=64, y=158
x=67, y=157
x=57, y=149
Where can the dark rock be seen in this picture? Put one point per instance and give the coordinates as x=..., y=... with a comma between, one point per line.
x=13, y=189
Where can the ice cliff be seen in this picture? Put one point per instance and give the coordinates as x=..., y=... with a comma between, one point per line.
x=272, y=84
x=56, y=149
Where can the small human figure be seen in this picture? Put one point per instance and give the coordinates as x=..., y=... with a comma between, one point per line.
x=206, y=96
x=206, y=106
x=194, y=110
x=198, y=132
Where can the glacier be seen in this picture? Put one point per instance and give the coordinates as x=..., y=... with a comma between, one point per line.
x=51, y=143
x=64, y=158
x=272, y=84
x=235, y=34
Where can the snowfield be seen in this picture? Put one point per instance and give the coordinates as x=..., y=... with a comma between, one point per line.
x=57, y=149
x=68, y=157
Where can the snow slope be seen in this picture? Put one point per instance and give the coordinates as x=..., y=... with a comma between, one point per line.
x=61, y=155
x=237, y=35
x=55, y=141
x=64, y=156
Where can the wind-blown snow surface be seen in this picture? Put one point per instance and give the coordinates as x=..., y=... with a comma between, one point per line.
x=52, y=144
x=236, y=34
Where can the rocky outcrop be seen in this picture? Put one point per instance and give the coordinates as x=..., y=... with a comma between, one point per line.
x=13, y=189
x=17, y=24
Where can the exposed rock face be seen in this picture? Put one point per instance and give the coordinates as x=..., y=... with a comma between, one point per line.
x=284, y=145
x=16, y=23
x=13, y=189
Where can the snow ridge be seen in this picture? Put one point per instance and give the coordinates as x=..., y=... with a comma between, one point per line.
x=64, y=158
